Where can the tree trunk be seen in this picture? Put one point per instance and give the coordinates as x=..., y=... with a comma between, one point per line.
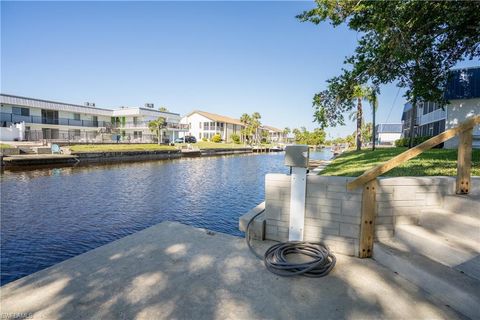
x=359, y=124
x=413, y=119
x=373, y=128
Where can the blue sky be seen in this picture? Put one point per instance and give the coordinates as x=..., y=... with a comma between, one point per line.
x=222, y=57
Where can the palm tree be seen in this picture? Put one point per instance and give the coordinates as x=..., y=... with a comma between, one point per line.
x=245, y=119
x=157, y=127
x=286, y=132
x=360, y=93
x=373, y=101
x=255, y=123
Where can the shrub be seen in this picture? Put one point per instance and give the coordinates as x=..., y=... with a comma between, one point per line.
x=235, y=138
x=204, y=139
x=403, y=142
x=217, y=138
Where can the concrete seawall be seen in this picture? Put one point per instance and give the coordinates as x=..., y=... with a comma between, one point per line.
x=113, y=156
x=121, y=156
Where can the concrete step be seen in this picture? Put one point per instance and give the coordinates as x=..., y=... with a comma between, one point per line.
x=448, y=250
x=450, y=286
x=451, y=224
x=463, y=204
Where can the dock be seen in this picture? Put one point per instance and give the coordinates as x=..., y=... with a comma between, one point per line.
x=173, y=271
x=38, y=159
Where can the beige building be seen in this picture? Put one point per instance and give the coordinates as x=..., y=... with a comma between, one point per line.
x=203, y=124
x=274, y=134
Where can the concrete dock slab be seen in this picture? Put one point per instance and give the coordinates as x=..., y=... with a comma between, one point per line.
x=173, y=271
x=38, y=159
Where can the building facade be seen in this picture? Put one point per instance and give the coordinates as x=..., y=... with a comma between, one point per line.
x=463, y=94
x=59, y=121
x=204, y=125
x=387, y=133
x=274, y=135
x=133, y=123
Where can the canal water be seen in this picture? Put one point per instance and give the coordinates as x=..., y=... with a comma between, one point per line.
x=49, y=215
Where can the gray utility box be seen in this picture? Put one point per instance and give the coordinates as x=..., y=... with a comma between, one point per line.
x=297, y=156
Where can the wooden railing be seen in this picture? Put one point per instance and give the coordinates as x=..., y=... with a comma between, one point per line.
x=369, y=178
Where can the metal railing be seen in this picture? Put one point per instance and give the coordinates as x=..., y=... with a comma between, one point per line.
x=144, y=124
x=15, y=118
x=85, y=136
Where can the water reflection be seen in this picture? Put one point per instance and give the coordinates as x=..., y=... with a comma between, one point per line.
x=49, y=215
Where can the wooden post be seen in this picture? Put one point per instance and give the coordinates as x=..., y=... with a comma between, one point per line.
x=464, y=162
x=367, y=226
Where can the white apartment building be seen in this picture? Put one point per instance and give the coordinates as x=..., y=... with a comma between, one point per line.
x=133, y=123
x=387, y=133
x=274, y=134
x=51, y=120
x=203, y=124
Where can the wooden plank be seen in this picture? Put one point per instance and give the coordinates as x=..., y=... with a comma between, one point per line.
x=367, y=226
x=464, y=162
x=411, y=153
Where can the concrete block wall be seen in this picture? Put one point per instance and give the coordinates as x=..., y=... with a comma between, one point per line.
x=401, y=200
x=332, y=214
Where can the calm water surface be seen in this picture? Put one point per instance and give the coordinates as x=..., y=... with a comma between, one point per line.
x=49, y=215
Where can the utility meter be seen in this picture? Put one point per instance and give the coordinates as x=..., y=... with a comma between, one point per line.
x=297, y=156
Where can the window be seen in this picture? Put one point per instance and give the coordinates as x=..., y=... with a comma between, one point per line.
x=205, y=126
x=212, y=125
x=76, y=116
x=21, y=111
x=200, y=125
x=436, y=127
x=135, y=120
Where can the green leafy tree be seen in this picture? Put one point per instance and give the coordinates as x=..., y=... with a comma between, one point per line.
x=163, y=109
x=367, y=132
x=315, y=138
x=413, y=43
x=157, y=126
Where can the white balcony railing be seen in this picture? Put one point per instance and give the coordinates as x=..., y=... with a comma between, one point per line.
x=144, y=124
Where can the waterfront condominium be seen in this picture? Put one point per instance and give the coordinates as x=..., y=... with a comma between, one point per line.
x=33, y=119
x=205, y=125
x=274, y=134
x=463, y=93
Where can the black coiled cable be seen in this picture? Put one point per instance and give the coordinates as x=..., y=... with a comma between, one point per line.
x=320, y=259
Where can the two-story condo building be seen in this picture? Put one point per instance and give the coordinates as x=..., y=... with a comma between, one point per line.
x=274, y=134
x=133, y=123
x=205, y=125
x=43, y=119
x=463, y=93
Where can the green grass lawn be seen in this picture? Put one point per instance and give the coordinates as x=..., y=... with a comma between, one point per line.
x=5, y=146
x=118, y=147
x=434, y=162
